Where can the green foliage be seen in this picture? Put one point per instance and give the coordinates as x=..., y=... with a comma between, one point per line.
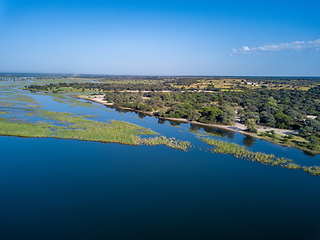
x=169, y=142
x=266, y=159
x=314, y=142
x=251, y=125
x=271, y=102
x=267, y=118
x=290, y=136
x=76, y=127
x=250, y=115
x=280, y=102
x=161, y=113
x=189, y=105
x=309, y=127
x=315, y=170
x=209, y=114
x=194, y=115
x=228, y=115
x=282, y=120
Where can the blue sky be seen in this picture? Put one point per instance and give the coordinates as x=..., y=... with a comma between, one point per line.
x=252, y=38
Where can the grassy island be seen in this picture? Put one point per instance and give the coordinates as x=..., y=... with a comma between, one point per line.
x=68, y=126
x=266, y=159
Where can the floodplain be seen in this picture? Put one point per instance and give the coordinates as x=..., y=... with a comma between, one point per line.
x=66, y=160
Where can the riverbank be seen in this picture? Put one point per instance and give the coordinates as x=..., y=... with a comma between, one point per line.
x=237, y=127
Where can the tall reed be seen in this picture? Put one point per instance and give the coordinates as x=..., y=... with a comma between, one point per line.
x=266, y=159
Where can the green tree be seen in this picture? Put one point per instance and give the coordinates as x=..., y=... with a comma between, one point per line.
x=310, y=127
x=267, y=118
x=161, y=113
x=313, y=142
x=272, y=102
x=249, y=115
x=282, y=120
x=251, y=125
x=209, y=114
x=194, y=115
x=228, y=116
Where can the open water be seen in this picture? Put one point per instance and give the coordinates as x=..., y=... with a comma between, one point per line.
x=70, y=189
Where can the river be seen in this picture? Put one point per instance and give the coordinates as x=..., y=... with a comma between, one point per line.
x=70, y=189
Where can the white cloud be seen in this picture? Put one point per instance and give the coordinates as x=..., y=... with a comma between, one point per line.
x=245, y=48
x=297, y=45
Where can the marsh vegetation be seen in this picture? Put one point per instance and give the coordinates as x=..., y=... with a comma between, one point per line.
x=68, y=126
x=263, y=158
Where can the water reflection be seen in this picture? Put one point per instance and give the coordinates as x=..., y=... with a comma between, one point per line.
x=194, y=128
x=212, y=131
x=161, y=121
x=310, y=154
x=219, y=132
x=141, y=115
x=174, y=123
x=249, y=141
x=120, y=110
x=230, y=134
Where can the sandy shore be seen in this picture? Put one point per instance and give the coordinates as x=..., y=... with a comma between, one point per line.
x=237, y=127
x=95, y=98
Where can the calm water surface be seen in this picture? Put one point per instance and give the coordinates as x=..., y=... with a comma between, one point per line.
x=69, y=189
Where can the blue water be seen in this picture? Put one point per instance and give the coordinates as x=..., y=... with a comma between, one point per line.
x=69, y=189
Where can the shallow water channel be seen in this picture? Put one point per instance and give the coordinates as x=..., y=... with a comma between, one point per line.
x=70, y=189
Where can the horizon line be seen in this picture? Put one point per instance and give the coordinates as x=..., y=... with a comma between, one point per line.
x=160, y=75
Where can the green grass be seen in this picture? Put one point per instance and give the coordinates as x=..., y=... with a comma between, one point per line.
x=169, y=142
x=33, y=106
x=266, y=159
x=6, y=104
x=77, y=127
x=10, y=99
x=23, y=98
